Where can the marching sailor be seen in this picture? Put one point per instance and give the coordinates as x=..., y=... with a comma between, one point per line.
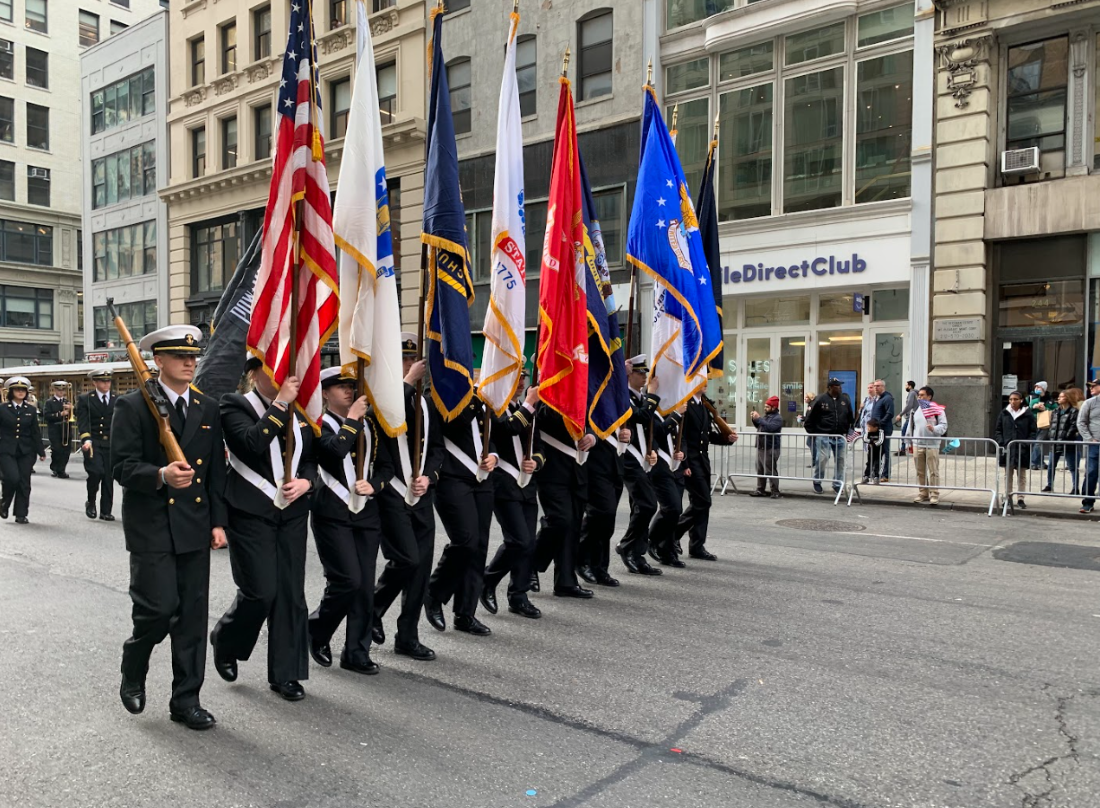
x=700, y=431
x=94, y=411
x=58, y=410
x=663, y=477
x=638, y=462
x=20, y=443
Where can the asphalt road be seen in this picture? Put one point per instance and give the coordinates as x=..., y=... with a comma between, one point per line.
x=895, y=662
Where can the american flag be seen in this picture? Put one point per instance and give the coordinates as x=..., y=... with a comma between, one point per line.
x=298, y=176
x=930, y=409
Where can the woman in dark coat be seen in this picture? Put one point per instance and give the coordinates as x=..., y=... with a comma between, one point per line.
x=1063, y=428
x=1015, y=422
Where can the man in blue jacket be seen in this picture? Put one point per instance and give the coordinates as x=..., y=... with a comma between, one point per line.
x=883, y=412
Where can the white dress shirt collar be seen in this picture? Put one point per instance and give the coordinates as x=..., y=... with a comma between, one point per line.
x=173, y=395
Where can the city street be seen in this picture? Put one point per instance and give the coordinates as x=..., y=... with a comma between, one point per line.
x=866, y=657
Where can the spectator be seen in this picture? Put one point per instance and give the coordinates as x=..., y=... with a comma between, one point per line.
x=927, y=424
x=768, y=427
x=865, y=408
x=1040, y=402
x=1088, y=424
x=830, y=420
x=907, y=410
x=1015, y=422
x=808, y=401
x=1063, y=430
x=883, y=412
x=873, y=439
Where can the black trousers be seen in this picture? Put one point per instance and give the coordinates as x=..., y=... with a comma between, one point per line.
x=414, y=529
x=16, y=472
x=98, y=467
x=466, y=511
x=696, y=517
x=518, y=522
x=767, y=465
x=170, y=595
x=605, y=489
x=59, y=451
x=643, y=506
x=662, y=530
x=559, y=533
x=268, y=557
x=348, y=553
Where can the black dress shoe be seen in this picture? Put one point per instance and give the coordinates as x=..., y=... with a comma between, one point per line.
x=631, y=563
x=132, y=695
x=417, y=651
x=4, y=505
x=89, y=510
x=291, y=691
x=524, y=608
x=585, y=573
x=471, y=625
x=433, y=610
x=321, y=653
x=226, y=666
x=358, y=663
x=672, y=561
x=757, y=494
x=63, y=475
x=193, y=717
x=535, y=585
x=703, y=555
x=644, y=568
x=377, y=633
x=22, y=520
x=573, y=592
x=106, y=517
x=489, y=599
x=53, y=473
x=605, y=579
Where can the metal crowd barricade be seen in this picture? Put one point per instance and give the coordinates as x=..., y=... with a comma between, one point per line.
x=720, y=456
x=797, y=451
x=962, y=464
x=1022, y=480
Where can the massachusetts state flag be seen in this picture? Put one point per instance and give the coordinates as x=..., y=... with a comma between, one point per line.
x=450, y=289
x=506, y=318
x=370, y=318
x=663, y=241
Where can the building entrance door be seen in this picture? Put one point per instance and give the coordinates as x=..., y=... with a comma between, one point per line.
x=775, y=365
x=1055, y=360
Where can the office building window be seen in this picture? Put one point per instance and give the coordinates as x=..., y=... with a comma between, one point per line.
x=338, y=13
x=124, y=175
x=759, y=58
x=121, y=3
x=24, y=307
x=813, y=140
x=745, y=153
x=379, y=5
x=457, y=5
x=87, y=27
x=610, y=207
x=261, y=127
x=685, y=12
x=884, y=127
x=198, y=152
x=7, y=60
x=594, y=66
x=25, y=243
x=7, y=180
x=38, y=126
x=884, y=26
x=7, y=119
x=261, y=32
x=125, y=252
x=527, y=74
x=118, y=27
x=458, y=79
x=695, y=127
x=5, y=10
x=387, y=92
x=80, y=258
x=140, y=316
x=215, y=250
x=687, y=76
x=123, y=101
x=198, y=62
x=229, y=47
x=534, y=231
x=1036, y=89
x=229, y=142
x=341, y=103
x=37, y=16
x=38, y=68
x=38, y=186
x=815, y=44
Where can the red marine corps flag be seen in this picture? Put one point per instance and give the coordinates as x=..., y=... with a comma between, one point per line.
x=563, y=311
x=296, y=302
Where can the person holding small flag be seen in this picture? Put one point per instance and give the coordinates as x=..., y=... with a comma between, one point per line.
x=926, y=423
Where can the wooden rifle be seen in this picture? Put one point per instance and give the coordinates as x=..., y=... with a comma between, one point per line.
x=150, y=390
x=719, y=421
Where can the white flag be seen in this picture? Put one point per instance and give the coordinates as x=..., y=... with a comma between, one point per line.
x=667, y=364
x=370, y=319
x=502, y=360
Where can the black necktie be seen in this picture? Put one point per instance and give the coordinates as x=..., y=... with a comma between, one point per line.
x=182, y=410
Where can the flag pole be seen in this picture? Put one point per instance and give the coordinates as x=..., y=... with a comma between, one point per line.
x=418, y=419
x=292, y=363
x=361, y=441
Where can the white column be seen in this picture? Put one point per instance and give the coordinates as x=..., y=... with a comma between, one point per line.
x=920, y=244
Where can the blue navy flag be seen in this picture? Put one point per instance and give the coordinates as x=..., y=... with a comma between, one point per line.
x=450, y=288
x=608, y=394
x=706, y=207
x=663, y=241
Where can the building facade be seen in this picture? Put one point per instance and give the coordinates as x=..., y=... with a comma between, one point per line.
x=610, y=44
x=823, y=114
x=41, y=291
x=124, y=92
x=1017, y=241
x=226, y=60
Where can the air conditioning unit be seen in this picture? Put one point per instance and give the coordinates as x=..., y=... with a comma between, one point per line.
x=38, y=173
x=1020, y=161
x=5, y=46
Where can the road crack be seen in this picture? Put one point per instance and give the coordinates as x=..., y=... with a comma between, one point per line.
x=1039, y=791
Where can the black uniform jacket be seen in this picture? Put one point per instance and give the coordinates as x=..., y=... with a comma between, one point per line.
x=333, y=447
x=699, y=432
x=665, y=430
x=19, y=431
x=431, y=444
x=559, y=468
x=166, y=519
x=460, y=432
x=93, y=418
x=514, y=423
x=643, y=406
x=51, y=411
x=249, y=438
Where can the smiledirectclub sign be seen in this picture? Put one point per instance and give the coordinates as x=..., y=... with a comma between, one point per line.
x=810, y=264
x=820, y=266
